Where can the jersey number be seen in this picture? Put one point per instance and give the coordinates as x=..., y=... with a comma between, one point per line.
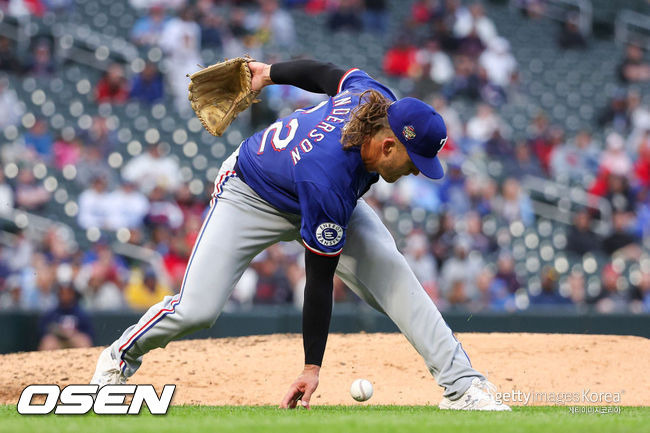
x=279, y=144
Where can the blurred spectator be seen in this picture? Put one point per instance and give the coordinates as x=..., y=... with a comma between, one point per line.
x=459, y=272
x=67, y=149
x=41, y=64
x=478, y=241
x=525, y=164
x=549, y=296
x=212, y=30
x=581, y=239
x=423, y=11
x=31, y=195
x=6, y=198
x=91, y=165
x=271, y=24
x=147, y=29
x=616, y=114
x=175, y=260
x=453, y=122
x=273, y=286
x=443, y=238
x=435, y=63
x=345, y=16
x=100, y=280
x=611, y=299
x=493, y=293
x=181, y=42
x=126, y=207
x=39, y=139
x=642, y=163
x=11, y=109
x=452, y=190
x=499, y=63
x=570, y=36
x=11, y=295
x=37, y=283
x=639, y=114
x=457, y=298
x=643, y=303
x=500, y=148
x=113, y=87
x=471, y=45
x=401, y=59
x=67, y=325
x=465, y=82
x=101, y=135
x=153, y=168
x=9, y=61
x=578, y=159
x=422, y=262
x=145, y=290
x=473, y=19
x=375, y=16
x=634, y=68
x=622, y=239
x=506, y=272
x=163, y=211
x=484, y=124
x=578, y=291
x=147, y=86
x=513, y=204
x=619, y=194
x=94, y=206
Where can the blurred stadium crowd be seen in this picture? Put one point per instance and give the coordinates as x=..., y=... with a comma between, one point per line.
x=545, y=204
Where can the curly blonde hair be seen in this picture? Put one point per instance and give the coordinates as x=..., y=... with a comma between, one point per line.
x=366, y=120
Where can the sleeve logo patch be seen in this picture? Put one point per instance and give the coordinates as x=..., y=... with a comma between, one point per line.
x=329, y=234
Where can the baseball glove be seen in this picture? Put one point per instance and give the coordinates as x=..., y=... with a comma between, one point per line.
x=220, y=92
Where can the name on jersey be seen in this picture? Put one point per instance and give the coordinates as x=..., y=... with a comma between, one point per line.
x=324, y=127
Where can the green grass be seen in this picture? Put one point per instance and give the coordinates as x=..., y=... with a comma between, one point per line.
x=338, y=419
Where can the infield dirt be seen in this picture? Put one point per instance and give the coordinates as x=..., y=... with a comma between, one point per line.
x=258, y=370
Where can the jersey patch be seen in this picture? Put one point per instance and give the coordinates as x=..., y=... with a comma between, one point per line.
x=329, y=234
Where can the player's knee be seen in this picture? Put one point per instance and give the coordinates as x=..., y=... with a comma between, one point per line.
x=199, y=320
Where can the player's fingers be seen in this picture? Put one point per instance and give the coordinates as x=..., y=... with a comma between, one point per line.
x=305, y=398
x=287, y=398
x=294, y=400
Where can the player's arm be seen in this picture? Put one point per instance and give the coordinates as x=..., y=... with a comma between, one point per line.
x=310, y=75
x=316, y=315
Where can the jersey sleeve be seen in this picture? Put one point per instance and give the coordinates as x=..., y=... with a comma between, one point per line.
x=325, y=215
x=357, y=81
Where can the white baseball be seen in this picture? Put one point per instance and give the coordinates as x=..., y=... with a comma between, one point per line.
x=361, y=390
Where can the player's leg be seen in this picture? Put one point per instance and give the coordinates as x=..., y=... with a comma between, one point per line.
x=373, y=268
x=238, y=226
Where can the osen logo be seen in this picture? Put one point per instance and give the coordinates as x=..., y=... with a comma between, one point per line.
x=329, y=234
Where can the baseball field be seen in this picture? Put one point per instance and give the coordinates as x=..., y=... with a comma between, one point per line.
x=553, y=382
x=412, y=419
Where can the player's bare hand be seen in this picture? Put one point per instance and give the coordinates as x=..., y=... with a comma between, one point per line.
x=302, y=389
x=261, y=75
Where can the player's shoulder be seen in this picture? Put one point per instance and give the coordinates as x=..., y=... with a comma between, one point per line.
x=357, y=80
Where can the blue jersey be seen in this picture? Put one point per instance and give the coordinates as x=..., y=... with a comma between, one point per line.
x=299, y=166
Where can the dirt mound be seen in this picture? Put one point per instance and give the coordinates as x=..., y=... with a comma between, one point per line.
x=258, y=370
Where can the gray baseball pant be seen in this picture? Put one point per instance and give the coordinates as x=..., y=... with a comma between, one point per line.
x=239, y=225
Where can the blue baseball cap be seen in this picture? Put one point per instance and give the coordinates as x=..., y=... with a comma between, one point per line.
x=422, y=131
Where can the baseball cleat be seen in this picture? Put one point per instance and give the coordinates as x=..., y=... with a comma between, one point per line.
x=479, y=396
x=108, y=370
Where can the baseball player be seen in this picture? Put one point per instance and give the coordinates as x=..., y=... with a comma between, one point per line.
x=303, y=178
